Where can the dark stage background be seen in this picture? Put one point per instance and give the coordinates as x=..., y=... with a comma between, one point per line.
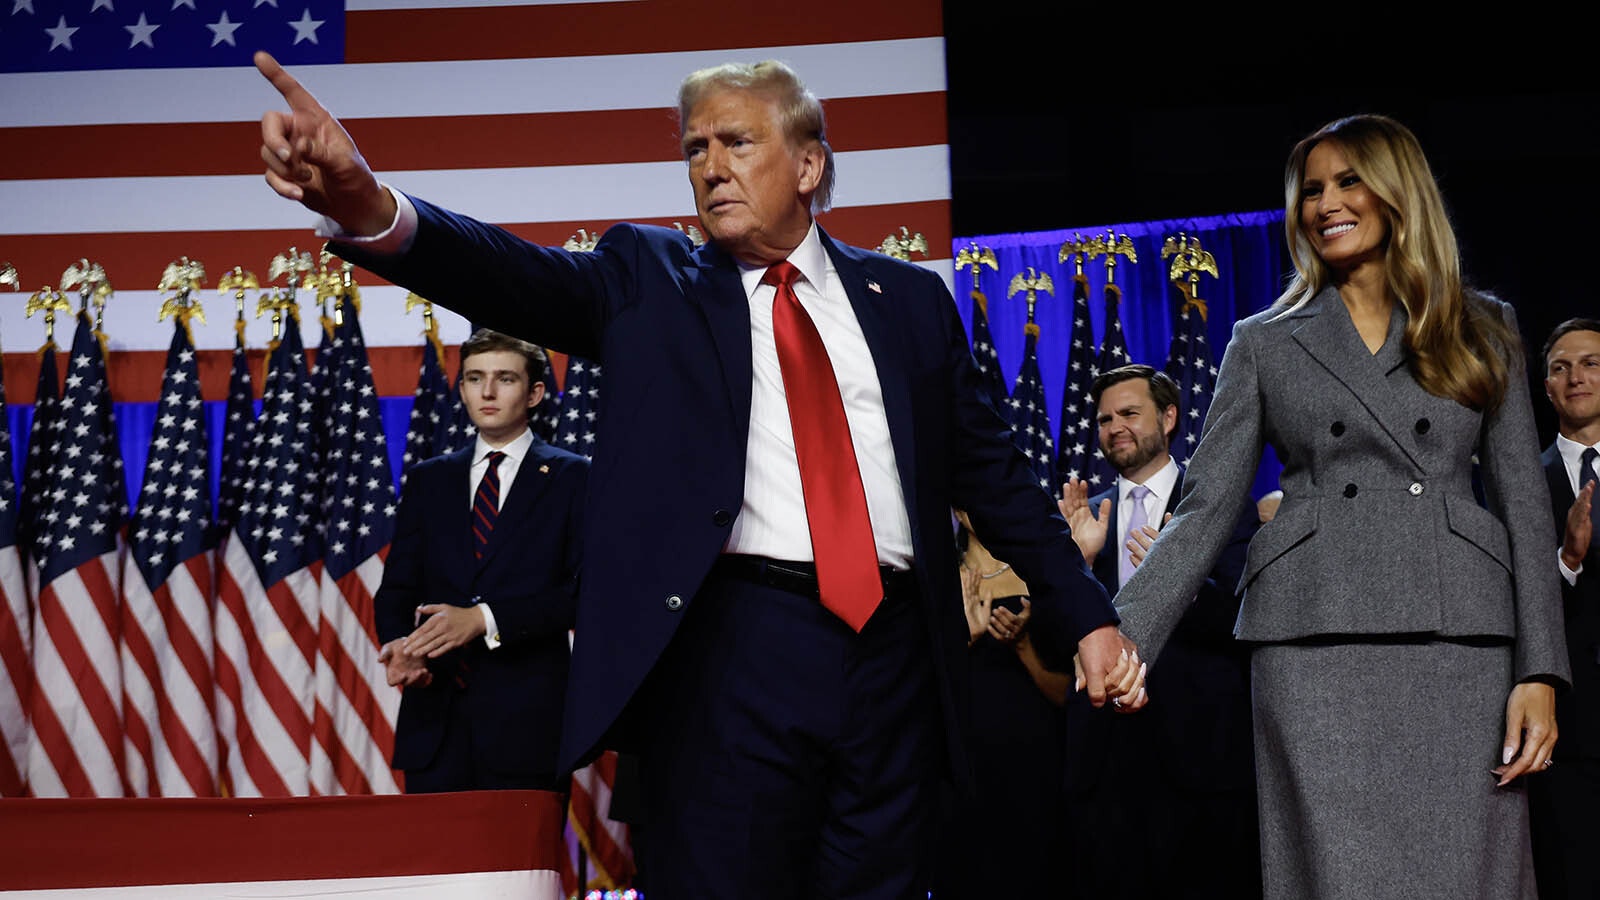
x=1076, y=116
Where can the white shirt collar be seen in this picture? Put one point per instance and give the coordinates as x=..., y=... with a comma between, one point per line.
x=810, y=258
x=1161, y=484
x=517, y=449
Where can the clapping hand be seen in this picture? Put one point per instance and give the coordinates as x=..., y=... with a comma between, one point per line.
x=1088, y=526
x=402, y=669
x=1139, y=541
x=1579, y=530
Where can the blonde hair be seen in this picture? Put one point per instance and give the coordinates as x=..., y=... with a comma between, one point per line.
x=799, y=110
x=1458, y=350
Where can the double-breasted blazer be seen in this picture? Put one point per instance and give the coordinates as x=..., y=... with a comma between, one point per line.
x=528, y=576
x=670, y=323
x=1379, y=532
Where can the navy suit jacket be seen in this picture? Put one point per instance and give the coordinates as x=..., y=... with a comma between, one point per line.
x=1577, y=710
x=528, y=577
x=1198, y=721
x=671, y=325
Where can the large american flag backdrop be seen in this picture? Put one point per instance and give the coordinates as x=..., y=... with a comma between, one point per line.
x=129, y=136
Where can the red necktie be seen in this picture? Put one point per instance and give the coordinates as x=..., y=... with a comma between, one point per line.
x=836, y=503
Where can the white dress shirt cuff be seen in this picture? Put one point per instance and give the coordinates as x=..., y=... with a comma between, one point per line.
x=1571, y=575
x=491, y=631
x=392, y=241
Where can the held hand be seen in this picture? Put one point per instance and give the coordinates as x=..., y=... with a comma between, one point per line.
x=1530, y=731
x=446, y=628
x=312, y=160
x=1110, y=667
x=1580, y=528
x=402, y=669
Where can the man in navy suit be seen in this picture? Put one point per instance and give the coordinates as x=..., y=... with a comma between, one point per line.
x=480, y=589
x=769, y=611
x=1563, y=800
x=1180, y=776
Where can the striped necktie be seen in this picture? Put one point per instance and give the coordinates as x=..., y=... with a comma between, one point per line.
x=486, y=505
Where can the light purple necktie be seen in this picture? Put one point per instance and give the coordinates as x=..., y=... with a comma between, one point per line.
x=1137, y=519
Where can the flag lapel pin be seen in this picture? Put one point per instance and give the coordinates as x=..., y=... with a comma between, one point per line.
x=873, y=287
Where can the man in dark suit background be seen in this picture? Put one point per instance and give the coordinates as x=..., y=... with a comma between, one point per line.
x=769, y=611
x=480, y=589
x=1180, y=775
x=1565, y=799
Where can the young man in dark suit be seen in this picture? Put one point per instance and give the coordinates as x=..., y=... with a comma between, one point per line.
x=1564, y=800
x=480, y=589
x=1179, y=774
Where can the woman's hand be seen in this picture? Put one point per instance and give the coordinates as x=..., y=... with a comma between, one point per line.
x=1530, y=731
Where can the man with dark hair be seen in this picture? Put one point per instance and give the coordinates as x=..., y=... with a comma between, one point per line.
x=1562, y=802
x=480, y=589
x=770, y=611
x=1179, y=776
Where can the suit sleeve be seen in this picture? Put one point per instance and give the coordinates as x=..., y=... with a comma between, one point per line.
x=1216, y=605
x=1216, y=485
x=549, y=604
x=1013, y=515
x=401, y=590
x=1518, y=492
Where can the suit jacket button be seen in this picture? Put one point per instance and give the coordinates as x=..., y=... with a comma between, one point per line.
x=1415, y=489
x=1337, y=429
x=1350, y=490
x=674, y=603
x=1423, y=425
x=721, y=518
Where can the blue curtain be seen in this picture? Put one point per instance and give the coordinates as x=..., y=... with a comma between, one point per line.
x=1252, y=267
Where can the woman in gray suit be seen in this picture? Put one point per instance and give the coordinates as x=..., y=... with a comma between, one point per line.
x=1408, y=638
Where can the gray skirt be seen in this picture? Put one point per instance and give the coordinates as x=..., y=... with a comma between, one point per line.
x=1373, y=762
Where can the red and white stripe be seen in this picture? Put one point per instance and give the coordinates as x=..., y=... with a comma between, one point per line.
x=16, y=673
x=168, y=690
x=266, y=655
x=356, y=707
x=76, y=708
x=604, y=840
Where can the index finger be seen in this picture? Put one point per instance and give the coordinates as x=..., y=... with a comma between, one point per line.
x=292, y=90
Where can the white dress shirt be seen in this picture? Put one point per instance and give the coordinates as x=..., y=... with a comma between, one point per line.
x=516, y=450
x=772, y=521
x=1572, y=457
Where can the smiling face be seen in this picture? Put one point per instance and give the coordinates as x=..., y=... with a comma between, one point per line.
x=752, y=187
x=1572, y=380
x=498, y=394
x=1339, y=214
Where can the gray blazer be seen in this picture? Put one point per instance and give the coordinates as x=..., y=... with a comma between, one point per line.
x=1379, y=532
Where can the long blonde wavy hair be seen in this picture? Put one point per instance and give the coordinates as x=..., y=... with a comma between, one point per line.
x=1457, y=349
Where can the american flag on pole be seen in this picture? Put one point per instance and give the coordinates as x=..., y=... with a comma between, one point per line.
x=431, y=399
x=580, y=407
x=1189, y=363
x=16, y=628
x=167, y=644
x=1113, y=353
x=356, y=707
x=37, y=465
x=268, y=597
x=468, y=103
x=238, y=429
x=1079, y=438
x=984, y=353
x=1030, y=423
x=76, y=709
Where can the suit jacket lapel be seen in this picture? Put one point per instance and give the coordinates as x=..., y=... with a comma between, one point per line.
x=715, y=284
x=1107, y=563
x=1555, y=471
x=1332, y=340
x=877, y=328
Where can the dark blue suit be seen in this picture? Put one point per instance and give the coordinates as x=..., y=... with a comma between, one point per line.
x=501, y=730
x=1179, y=773
x=671, y=324
x=1564, y=802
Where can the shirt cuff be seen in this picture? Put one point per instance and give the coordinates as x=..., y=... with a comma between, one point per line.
x=392, y=241
x=1571, y=575
x=491, y=631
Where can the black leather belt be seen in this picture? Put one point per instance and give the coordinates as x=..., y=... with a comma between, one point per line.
x=800, y=577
